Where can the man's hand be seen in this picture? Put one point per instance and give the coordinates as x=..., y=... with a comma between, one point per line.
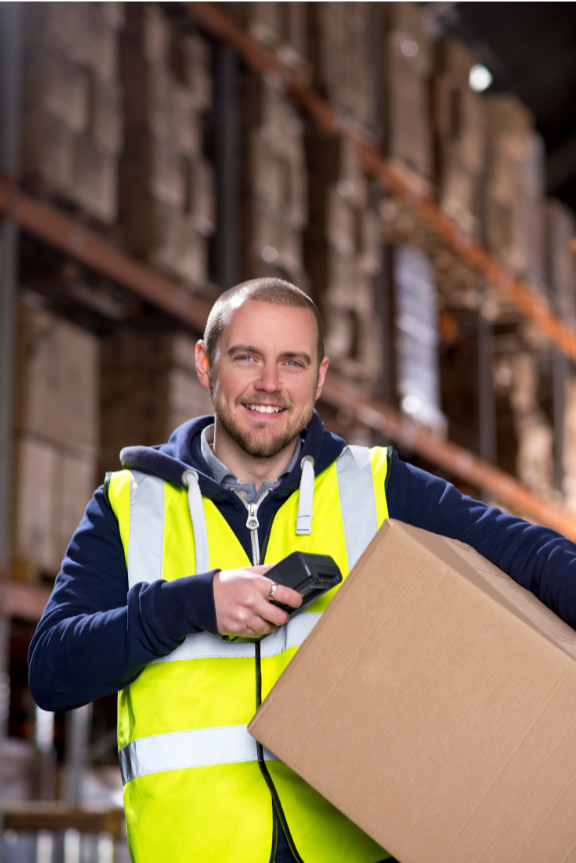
x=242, y=604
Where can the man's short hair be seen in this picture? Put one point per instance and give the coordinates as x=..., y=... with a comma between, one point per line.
x=277, y=292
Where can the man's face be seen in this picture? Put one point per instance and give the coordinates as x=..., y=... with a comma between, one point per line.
x=265, y=377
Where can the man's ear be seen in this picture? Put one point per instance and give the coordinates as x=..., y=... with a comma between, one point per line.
x=321, y=377
x=202, y=364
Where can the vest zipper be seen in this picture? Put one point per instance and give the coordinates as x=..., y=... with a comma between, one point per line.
x=252, y=523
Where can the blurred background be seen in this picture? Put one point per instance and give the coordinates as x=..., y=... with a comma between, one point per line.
x=410, y=165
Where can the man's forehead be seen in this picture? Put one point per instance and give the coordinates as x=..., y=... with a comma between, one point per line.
x=247, y=317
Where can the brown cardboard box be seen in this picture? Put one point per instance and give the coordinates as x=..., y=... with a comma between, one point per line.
x=151, y=165
x=57, y=387
x=435, y=705
x=77, y=483
x=149, y=105
x=36, y=547
x=96, y=180
x=47, y=152
x=53, y=485
x=105, y=118
x=149, y=387
x=51, y=82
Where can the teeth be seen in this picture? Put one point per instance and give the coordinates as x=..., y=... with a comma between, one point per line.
x=264, y=409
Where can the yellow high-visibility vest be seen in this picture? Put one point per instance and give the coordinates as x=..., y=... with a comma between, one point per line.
x=197, y=786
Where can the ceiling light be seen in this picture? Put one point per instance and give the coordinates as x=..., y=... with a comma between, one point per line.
x=409, y=47
x=411, y=404
x=269, y=254
x=479, y=78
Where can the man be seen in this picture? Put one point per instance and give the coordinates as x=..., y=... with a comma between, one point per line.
x=163, y=595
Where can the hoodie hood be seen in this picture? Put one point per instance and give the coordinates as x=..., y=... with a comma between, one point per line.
x=183, y=451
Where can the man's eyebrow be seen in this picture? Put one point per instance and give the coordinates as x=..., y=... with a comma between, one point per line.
x=243, y=349
x=297, y=355
x=250, y=349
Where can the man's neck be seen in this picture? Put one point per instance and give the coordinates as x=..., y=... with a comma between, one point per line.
x=245, y=467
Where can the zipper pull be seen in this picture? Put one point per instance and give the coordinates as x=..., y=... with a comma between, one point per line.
x=252, y=522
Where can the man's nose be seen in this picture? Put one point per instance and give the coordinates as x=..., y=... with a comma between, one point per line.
x=268, y=380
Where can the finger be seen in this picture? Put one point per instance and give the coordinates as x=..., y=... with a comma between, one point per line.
x=271, y=613
x=287, y=596
x=262, y=627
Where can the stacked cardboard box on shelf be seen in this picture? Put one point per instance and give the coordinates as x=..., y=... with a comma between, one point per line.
x=515, y=189
x=274, y=183
x=72, y=103
x=561, y=272
x=340, y=51
x=344, y=256
x=57, y=437
x=534, y=432
x=281, y=27
x=149, y=387
x=460, y=129
x=167, y=196
x=417, y=337
x=407, y=70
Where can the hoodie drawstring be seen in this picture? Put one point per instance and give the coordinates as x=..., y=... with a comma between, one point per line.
x=303, y=519
x=190, y=478
x=306, y=502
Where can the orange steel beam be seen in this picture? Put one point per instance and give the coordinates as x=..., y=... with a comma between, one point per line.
x=460, y=462
x=65, y=233
x=393, y=179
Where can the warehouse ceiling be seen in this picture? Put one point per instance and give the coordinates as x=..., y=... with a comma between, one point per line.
x=530, y=50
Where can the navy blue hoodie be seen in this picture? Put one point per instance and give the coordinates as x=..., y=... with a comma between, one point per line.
x=96, y=635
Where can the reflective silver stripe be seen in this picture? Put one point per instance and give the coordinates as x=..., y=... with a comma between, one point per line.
x=204, y=645
x=357, y=500
x=146, y=537
x=181, y=750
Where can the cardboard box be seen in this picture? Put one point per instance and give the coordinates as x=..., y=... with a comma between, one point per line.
x=47, y=153
x=561, y=276
x=77, y=483
x=96, y=180
x=54, y=84
x=149, y=164
x=105, y=117
x=149, y=387
x=436, y=707
x=36, y=547
x=57, y=391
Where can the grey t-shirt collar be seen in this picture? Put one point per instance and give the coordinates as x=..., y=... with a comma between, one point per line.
x=224, y=477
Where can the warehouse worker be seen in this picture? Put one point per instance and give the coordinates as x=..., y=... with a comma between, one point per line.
x=163, y=595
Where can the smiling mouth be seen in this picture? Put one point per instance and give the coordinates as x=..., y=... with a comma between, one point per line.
x=264, y=409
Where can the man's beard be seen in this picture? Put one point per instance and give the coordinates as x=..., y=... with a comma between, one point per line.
x=247, y=441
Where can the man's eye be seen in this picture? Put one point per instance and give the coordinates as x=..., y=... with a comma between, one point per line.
x=295, y=363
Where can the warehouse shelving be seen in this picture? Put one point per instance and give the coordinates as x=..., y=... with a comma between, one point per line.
x=74, y=239
x=71, y=237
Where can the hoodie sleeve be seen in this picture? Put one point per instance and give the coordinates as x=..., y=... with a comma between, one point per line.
x=95, y=635
x=536, y=557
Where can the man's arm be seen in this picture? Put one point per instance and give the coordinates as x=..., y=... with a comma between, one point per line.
x=95, y=635
x=538, y=558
